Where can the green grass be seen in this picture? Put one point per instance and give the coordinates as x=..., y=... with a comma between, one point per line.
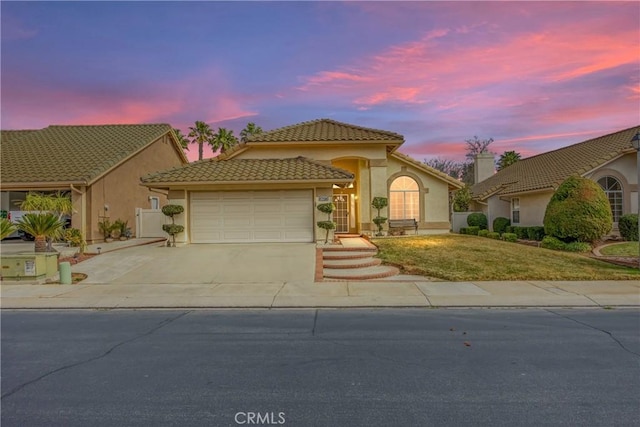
x=458, y=258
x=621, y=249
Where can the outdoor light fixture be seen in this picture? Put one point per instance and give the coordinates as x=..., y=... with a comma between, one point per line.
x=635, y=142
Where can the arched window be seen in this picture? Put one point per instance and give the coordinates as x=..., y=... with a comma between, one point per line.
x=613, y=189
x=404, y=200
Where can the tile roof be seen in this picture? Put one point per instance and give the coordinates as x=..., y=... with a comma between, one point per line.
x=249, y=170
x=12, y=135
x=326, y=130
x=432, y=171
x=548, y=170
x=74, y=154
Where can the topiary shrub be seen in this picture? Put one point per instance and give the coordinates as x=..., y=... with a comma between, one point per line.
x=477, y=219
x=535, y=233
x=628, y=226
x=473, y=230
x=500, y=224
x=578, y=211
x=483, y=233
x=328, y=225
x=493, y=235
x=173, y=228
x=510, y=237
x=379, y=203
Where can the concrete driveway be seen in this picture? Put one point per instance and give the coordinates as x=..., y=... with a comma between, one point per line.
x=203, y=263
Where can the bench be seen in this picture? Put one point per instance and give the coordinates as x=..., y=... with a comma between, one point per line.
x=403, y=224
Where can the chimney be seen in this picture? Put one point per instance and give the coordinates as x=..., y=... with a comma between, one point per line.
x=483, y=166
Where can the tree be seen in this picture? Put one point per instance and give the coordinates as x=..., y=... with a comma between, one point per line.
x=476, y=146
x=173, y=228
x=578, y=211
x=507, y=159
x=462, y=199
x=450, y=167
x=327, y=225
x=58, y=204
x=42, y=226
x=200, y=133
x=249, y=130
x=379, y=203
x=223, y=140
x=184, y=142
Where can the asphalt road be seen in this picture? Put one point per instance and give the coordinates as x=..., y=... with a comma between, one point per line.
x=321, y=368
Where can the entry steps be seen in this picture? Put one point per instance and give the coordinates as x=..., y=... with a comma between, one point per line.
x=354, y=260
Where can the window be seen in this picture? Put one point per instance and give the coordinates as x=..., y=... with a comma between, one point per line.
x=613, y=189
x=404, y=200
x=155, y=202
x=515, y=210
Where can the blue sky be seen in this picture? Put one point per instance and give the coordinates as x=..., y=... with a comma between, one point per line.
x=532, y=75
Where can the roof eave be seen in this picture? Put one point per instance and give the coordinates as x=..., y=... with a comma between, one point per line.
x=167, y=184
x=26, y=186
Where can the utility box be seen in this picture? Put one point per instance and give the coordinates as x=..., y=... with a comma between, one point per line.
x=29, y=266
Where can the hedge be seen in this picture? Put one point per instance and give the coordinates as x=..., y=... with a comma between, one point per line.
x=483, y=233
x=550, y=242
x=628, y=226
x=510, y=237
x=500, y=224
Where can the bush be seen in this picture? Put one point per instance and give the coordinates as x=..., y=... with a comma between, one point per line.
x=463, y=230
x=510, y=237
x=483, y=233
x=628, y=226
x=493, y=235
x=477, y=219
x=171, y=210
x=550, y=242
x=509, y=229
x=473, y=230
x=521, y=232
x=578, y=211
x=500, y=224
x=535, y=233
x=74, y=238
x=462, y=199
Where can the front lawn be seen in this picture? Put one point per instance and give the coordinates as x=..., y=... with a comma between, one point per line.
x=621, y=249
x=456, y=257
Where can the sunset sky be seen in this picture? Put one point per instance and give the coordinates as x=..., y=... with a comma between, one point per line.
x=532, y=75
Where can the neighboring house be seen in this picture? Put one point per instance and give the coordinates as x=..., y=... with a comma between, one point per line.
x=267, y=189
x=99, y=166
x=522, y=191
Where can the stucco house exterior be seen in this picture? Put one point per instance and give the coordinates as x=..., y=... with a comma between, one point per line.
x=267, y=188
x=522, y=191
x=99, y=166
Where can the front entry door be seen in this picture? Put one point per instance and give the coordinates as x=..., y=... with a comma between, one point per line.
x=341, y=214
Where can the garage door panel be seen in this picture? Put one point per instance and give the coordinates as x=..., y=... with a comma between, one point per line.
x=252, y=216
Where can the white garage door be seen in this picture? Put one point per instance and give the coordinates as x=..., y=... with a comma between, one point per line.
x=252, y=216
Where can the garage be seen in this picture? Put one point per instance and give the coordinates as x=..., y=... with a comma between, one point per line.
x=252, y=216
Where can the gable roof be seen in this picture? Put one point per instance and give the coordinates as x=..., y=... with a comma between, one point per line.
x=428, y=169
x=326, y=130
x=239, y=171
x=74, y=154
x=548, y=170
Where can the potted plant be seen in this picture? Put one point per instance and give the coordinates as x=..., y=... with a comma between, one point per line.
x=120, y=229
x=328, y=225
x=173, y=228
x=106, y=228
x=379, y=203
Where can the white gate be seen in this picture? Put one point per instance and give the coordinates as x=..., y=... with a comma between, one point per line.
x=149, y=223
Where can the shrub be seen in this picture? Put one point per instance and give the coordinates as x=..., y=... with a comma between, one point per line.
x=510, y=237
x=500, y=224
x=550, y=242
x=6, y=228
x=483, y=233
x=535, y=233
x=628, y=226
x=473, y=230
x=171, y=210
x=477, y=219
x=328, y=225
x=463, y=230
x=521, y=232
x=509, y=229
x=578, y=211
x=173, y=228
x=462, y=199
x=493, y=235
x=74, y=238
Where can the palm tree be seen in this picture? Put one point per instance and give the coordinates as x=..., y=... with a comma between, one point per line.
x=507, y=159
x=41, y=226
x=6, y=228
x=250, y=130
x=58, y=203
x=200, y=133
x=184, y=142
x=223, y=140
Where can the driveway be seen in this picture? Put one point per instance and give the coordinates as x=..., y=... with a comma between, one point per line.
x=203, y=263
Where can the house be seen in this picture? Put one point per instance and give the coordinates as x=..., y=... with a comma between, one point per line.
x=99, y=166
x=267, y=189
x=522, y=191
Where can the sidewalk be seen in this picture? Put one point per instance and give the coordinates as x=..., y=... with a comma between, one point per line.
x=325, y=294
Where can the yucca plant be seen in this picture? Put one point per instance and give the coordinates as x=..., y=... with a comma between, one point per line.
x=6, y=228
x=41, y=226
